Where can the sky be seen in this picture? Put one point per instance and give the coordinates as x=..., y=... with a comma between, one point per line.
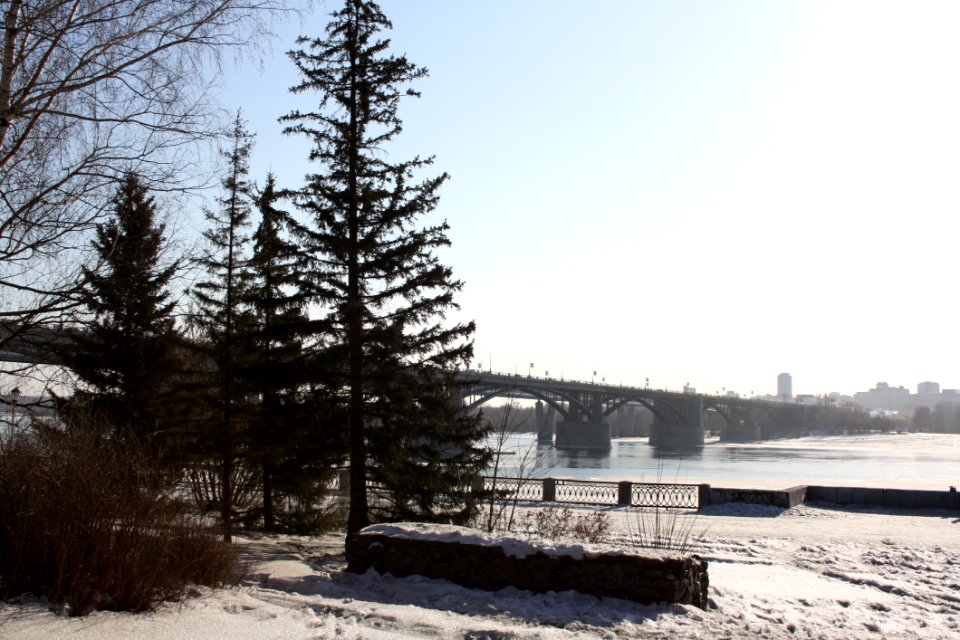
x=702, y=192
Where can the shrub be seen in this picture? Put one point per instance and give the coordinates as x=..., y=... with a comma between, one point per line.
x=659, y=528
x=560, y=523
x=307, y=505
x=90, y=526
x=313, y=508
x=592, y=527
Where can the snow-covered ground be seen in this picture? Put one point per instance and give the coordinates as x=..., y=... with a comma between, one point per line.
x=809, y=572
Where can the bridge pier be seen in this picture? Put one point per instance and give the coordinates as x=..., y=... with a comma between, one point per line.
x=582, y=435
x=746, y=431
x=793, y=421
x=546, y=416
x=685, y=430
x=584, y=427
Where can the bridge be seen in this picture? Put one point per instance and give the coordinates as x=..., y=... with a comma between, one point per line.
x=574, y=414
x=569, y=414
x=35, y=345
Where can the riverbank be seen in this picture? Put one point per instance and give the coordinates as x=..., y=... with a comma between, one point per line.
x=810, y=571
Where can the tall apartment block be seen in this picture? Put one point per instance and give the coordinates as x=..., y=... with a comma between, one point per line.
x=784, y=387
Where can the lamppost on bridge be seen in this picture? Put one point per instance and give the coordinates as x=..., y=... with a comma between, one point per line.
x=530, y=370
x=14, y=399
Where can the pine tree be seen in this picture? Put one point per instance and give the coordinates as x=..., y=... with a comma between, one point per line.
x=384, y=291
x=224, y=318
x=127, y=356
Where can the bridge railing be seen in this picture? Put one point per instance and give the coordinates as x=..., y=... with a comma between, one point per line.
x=666, y=495
x=586, y=492
x=526, y=490
x=596, y=492
x=663, y=495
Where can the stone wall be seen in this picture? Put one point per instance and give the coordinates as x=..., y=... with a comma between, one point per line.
x=785, y=498
x=854, y=496
x=900, y=498
x=492, y=566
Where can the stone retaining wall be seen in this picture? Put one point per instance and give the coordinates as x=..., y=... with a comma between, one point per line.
x=487, y=565
x=854, y=496
x=905, y=498
x=786, y=498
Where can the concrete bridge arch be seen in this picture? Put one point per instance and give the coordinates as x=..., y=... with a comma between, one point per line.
x=583, y=409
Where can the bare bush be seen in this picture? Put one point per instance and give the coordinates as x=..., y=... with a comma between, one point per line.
x=662, y=528
x=499, y=508
x=592, y=527
x=554, y=524
x=206, y=489
x=659, y=528
x=311, y=507
x=91, y=527
x=325, y=510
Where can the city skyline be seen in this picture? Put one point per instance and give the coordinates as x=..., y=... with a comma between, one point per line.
x=708, y=193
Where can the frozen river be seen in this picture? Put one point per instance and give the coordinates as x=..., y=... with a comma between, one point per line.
x=925, y=461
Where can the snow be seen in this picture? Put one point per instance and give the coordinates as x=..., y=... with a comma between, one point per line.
x=513, y=545
x=808, y=572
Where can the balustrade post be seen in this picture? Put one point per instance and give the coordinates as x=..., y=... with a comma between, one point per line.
x=549, y=490
x=624, y=493
x=703, y=496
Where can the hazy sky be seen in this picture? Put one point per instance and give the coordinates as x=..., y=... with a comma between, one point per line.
x=692, y=192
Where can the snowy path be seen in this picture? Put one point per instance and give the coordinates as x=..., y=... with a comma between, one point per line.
x=805, y=573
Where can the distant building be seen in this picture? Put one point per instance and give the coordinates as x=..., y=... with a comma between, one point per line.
x=928, y=389
x=688, y=389
x=884, y=397
x=838, y=399
x=784, y=387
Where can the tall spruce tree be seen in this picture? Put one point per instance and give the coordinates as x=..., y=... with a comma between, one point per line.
x=224, y=316
x=384, y=291
x=126, y=357
x=288, y=438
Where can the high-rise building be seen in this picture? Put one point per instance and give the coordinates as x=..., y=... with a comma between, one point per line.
x=784, y=387
x=928, y=388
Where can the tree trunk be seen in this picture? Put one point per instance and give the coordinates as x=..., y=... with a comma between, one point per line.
x=267, y=471
x=358, y=516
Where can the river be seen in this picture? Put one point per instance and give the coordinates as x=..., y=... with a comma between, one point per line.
x=914, y=461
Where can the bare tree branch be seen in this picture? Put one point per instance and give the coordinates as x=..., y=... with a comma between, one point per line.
x=89, y=90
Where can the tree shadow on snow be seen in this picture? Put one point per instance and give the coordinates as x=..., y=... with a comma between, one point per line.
x=742, y=510
x=340, y=589
x=928, y=512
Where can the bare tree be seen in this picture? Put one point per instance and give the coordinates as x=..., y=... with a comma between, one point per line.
x=91, y=90
x=512, y=466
